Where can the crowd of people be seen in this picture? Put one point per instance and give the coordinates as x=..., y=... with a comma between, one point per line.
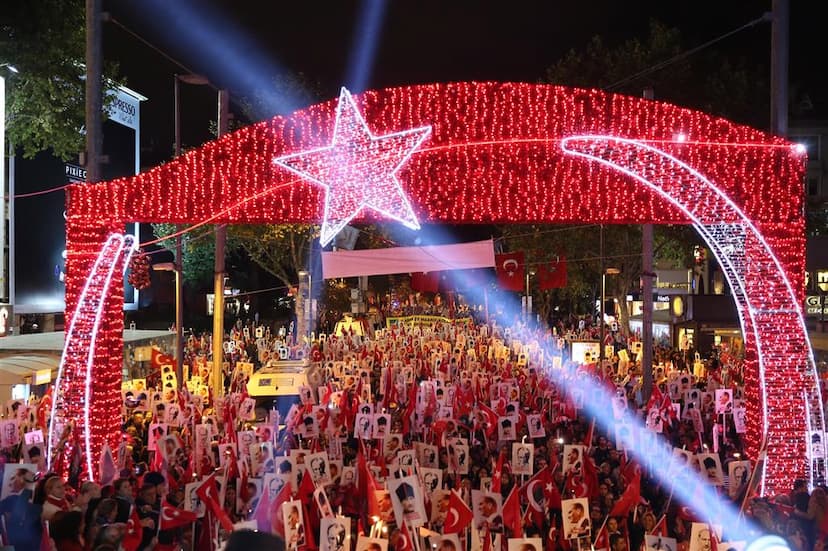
x=454, y=435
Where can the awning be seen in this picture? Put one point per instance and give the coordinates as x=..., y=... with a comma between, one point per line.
x=401, y=260
x=22, y=356
x=14, y=369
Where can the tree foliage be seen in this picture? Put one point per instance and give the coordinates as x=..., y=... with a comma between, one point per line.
x=45, y=41
x=707, y=80
x=198, y=250
x=280, y=250
x=581, y=246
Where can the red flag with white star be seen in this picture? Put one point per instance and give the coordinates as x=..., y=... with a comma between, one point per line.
x=459, y=515
x=510, y=268
x=134, y=532
x=208, y=494
x=173, y=517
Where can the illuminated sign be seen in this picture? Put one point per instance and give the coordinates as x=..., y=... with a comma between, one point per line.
x=812, y=305
x=6, y=320
x=43, y=377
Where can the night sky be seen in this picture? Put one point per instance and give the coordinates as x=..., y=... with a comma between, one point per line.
x=243, y=45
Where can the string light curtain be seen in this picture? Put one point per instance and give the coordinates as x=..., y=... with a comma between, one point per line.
x=494, y=155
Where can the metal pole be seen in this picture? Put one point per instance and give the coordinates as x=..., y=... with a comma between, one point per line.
x=310, y=303
x=647, y=290
x=179, y=258
x=218, y=283
x=603, y=300
x=779, y=66
x=647, y=275
x=94, y=91
x=528, y=309
x=3, y=273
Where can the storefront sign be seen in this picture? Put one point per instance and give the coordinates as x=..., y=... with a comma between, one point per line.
x=812, y=305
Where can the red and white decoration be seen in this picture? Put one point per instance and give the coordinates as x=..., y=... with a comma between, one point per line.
x=497, y=153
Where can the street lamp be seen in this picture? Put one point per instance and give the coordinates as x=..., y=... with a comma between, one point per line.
x=604, y=274
x=307, y=308
x=178, y=265
x=528, y=298
x=179, y=307
x=3, y=273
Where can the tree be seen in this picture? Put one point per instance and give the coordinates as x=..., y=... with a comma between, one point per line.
x=581, y=246
x=280, y=250
x=707, y=80
x=45, y=105
x=728, y=88
x=198, y=250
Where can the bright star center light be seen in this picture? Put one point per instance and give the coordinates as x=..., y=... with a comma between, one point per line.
x=358, y=170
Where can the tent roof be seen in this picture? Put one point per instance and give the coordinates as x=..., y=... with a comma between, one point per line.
x=53, y=342
x=22, y=355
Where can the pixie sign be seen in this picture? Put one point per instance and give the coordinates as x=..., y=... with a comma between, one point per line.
x=497, y=153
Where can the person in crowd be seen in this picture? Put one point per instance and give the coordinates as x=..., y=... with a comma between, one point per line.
x=66, y=529
x=89, y=490
x=20, y=515
x=55, y=490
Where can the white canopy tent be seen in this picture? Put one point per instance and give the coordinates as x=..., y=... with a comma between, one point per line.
x=21, y=356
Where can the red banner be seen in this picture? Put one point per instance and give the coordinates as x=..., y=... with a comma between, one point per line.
x=425, y=282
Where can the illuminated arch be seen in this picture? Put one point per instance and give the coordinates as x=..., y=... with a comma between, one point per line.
x=764, y=297
x=495, y=155
x=70, y=403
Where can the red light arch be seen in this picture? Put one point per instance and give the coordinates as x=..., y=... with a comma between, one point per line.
x=497, y=154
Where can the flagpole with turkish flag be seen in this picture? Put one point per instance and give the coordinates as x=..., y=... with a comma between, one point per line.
x=510, y=269
x=208, y=493
x=552, y=275
x=459, y=515
x=173, y=517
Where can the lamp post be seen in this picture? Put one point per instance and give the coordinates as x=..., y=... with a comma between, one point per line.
x=178, y=265
x=529, y=273
x=604, y=274
x=3, y=272
x=306, y=307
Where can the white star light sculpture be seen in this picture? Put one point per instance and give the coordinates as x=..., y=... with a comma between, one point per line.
x=358, y=170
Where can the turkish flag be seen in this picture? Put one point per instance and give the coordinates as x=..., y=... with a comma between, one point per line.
x=511, y=514
x=552, y=275
x=158, y=358
x=208, y=493
x=274, y=511
x=541, y=492
x=510, y=268
x=134, y=532
x=404, y=542
x=489, y=417
x=497, y=475
x=629, y=499
x=173, y=517
x=459, y=515
x=425, y=282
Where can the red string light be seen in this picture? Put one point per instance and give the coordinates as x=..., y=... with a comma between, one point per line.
x=494, y=156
